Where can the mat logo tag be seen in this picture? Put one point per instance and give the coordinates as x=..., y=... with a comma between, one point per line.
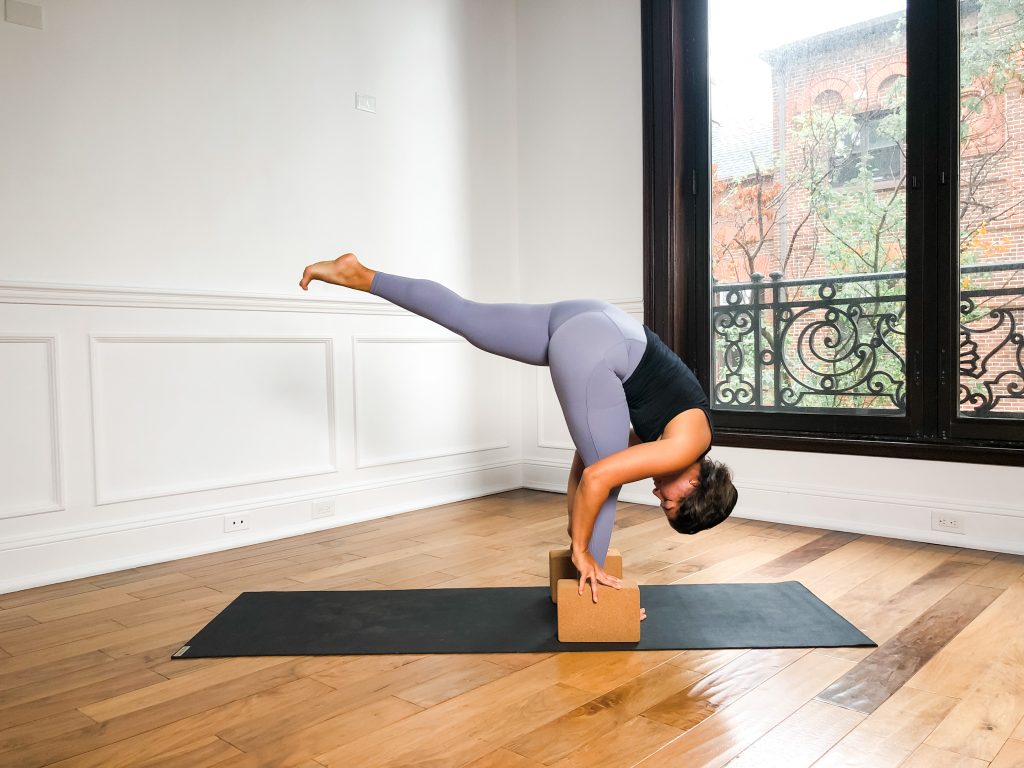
x=181, y=651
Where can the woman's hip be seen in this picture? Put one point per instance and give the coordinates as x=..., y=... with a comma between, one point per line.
x=588, y=332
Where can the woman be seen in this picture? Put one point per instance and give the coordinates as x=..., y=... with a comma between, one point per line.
x=607, y=369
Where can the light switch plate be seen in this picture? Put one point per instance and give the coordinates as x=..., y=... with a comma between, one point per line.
x=366, y=103
x=26, y=14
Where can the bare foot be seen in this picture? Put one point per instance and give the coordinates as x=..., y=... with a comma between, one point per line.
x=643, y=614
x=344, y=270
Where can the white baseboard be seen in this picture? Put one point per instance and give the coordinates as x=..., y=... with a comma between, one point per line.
x=42, y=559
x=39, y=560
x=995, y=528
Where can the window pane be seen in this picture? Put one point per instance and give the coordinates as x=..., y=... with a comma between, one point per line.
x=991, y=354
x=808, y=137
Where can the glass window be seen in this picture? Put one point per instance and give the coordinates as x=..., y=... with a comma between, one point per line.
x=808, y=208
x=991, y=224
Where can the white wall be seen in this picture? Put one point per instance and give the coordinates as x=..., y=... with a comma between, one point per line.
x=168, y=170
x=581, y=228
x=580, y=149
x=184, y=145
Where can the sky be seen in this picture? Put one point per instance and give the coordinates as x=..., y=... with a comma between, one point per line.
x=741, y=29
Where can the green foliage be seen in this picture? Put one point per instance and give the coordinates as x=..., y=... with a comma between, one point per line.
x=991, y=45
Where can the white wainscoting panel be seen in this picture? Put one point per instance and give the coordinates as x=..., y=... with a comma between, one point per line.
x=424, y=397
x=31, y=480
x=179, y=414
x=552, y=431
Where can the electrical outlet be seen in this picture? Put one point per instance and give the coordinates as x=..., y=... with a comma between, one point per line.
x=948, y=522
x=323, y=509
x=237, y=523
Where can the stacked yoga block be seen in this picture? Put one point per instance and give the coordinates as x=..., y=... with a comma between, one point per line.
x=614, y=618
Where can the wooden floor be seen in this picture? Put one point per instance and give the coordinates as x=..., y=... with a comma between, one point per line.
x=86, y=677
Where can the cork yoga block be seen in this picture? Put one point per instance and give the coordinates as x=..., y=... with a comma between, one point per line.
x=614, y=618
x=560, y=567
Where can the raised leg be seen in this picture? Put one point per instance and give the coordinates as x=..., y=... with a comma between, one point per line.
x=512, y=330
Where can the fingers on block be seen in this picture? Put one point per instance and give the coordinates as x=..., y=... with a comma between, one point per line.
x=560, y=567
x=614, y=618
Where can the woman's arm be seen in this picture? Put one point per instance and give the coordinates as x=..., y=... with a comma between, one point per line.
x=574, y=480
x=660, y=457
x=577, y=472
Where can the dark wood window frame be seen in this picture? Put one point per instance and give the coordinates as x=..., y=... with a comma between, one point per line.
x=676, y=165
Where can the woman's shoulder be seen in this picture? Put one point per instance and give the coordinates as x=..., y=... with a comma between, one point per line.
x=693, y=422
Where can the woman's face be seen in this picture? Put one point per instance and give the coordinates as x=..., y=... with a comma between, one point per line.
x=673, y=488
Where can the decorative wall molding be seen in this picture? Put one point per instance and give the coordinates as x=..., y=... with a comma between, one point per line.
x=542, y=415
x=67, y=294
x=360, y=462
x=56, y=432
x=148, y=298
x=634, y=307
x=104, y=497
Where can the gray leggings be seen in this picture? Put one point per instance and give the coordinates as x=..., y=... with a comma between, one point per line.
x=591, y=347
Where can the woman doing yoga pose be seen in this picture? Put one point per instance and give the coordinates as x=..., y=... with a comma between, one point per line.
x=607, y=370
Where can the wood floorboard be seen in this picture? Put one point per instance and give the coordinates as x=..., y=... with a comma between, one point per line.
x=886, y=669
x=604, y=713
x=958, y=666
x=801, y=739
x=722, y=686
x=1010, y=756
x=987, y=715
x=785, y=564
x=625, y=744
x=86, y=677
x=718, y=738
x=888, y=736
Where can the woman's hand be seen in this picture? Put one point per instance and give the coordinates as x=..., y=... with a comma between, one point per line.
x=589, y=569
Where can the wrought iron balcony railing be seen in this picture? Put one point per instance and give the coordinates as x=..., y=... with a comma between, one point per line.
x=839, y=343
x=991, y=362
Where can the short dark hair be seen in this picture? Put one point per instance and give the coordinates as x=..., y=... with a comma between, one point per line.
x=711, y=501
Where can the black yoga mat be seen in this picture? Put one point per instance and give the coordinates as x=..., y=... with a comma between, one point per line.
x=513, y=620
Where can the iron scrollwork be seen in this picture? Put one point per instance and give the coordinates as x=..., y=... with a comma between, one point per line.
x=840, y=342
x=991, y=363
